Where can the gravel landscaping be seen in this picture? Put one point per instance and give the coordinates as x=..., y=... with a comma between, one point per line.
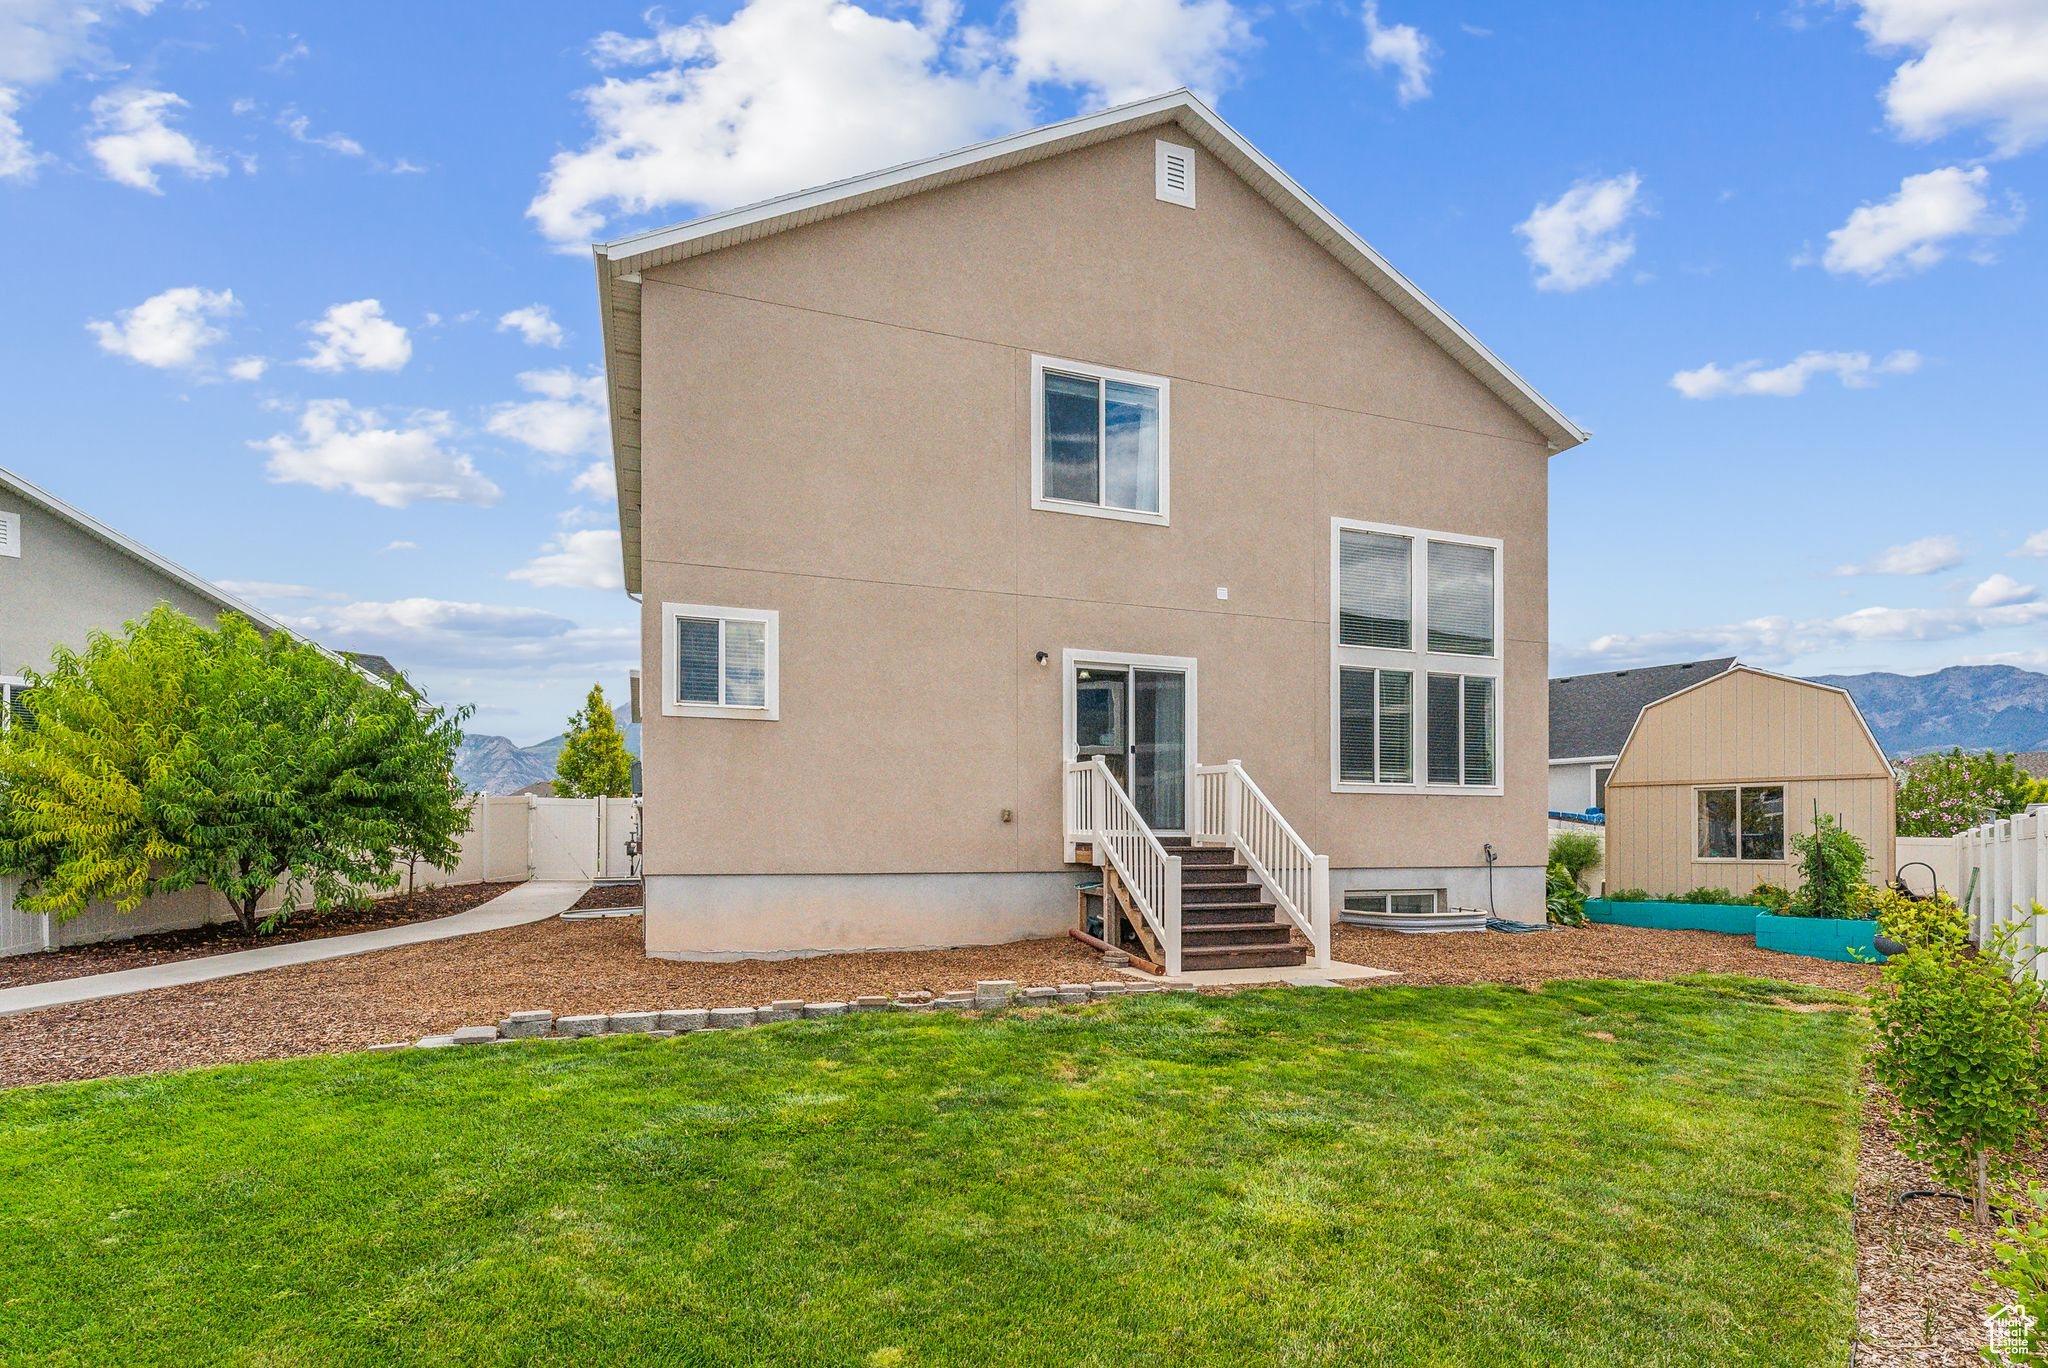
x=606, y=897
x=164, y=947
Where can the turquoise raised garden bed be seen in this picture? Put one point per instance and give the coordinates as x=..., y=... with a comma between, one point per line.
x=1671, y=916
x=1818, y=937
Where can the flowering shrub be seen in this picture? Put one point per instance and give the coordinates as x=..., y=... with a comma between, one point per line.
x=1940, y=795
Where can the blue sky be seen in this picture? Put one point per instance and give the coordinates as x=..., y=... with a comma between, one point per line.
x=300, y=296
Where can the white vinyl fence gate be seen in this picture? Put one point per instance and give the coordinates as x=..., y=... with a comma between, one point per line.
x=2008, y=860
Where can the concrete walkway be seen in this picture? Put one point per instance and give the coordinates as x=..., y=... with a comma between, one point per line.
x=529, y=902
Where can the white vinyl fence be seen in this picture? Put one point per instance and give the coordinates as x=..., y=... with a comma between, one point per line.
x=2008, y=862
x=510, y=839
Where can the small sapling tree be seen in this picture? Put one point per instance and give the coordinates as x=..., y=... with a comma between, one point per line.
x=594, y=762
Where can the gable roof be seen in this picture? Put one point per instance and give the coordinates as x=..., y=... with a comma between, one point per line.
x=1592, y=715
x=1736, y=668
x=135, y=550
x=619, y=263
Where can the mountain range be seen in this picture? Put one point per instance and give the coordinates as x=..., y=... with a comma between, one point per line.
x=494, y=764
x=1977, y=707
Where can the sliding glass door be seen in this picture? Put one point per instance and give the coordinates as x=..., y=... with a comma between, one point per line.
x=1136, y=719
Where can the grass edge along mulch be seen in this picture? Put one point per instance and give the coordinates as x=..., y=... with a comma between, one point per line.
x=1592, y=1173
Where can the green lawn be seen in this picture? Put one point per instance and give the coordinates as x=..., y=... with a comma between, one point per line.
x=1399, y=1176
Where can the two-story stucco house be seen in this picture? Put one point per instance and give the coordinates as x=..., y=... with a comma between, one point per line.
x=1088, y=505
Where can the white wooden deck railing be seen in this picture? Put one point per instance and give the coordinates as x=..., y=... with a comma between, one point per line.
x=1101, y=814
x=1232, y=810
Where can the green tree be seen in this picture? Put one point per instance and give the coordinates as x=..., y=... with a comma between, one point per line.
x=176, y=755
x=594, y=762
x=1959, y=1040
x=1940, y=795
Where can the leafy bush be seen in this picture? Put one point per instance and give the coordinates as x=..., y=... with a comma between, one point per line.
x=2020, y=1271
x=1578, y=853
x=1630, y=895
x=1566, y=903
x=1722, y=896
x=1916, y=922
x=1831, y=862
x=1958, y=1040
x=1940, y=795
x=1771, y=897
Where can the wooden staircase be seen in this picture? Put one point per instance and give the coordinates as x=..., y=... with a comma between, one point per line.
x=1227, y=922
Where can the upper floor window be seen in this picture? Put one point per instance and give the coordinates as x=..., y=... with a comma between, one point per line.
x=1098, y=441
x=1415, y=659
x=720, y=662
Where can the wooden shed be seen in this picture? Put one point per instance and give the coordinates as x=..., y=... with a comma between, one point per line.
x=1717, y=779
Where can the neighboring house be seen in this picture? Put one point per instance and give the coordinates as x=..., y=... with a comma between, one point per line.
x=1103, y=442
x=64, y=575
x=2032, y=763
x=1716, y=779
x=1590, y=719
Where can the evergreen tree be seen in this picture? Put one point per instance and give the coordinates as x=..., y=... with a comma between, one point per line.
x=594, y=762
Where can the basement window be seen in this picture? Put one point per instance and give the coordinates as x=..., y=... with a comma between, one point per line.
x=1361, y=903
x=720, y=662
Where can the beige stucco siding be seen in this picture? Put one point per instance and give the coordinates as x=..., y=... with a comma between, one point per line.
x=1743, y=727
x=836, y=426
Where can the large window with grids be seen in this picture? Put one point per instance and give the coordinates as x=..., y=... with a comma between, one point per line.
x=720, y=662
x=1415, y=660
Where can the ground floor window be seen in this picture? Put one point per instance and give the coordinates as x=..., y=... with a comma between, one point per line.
x=1362, y=903
x=1742, y=823
x=1376, y=726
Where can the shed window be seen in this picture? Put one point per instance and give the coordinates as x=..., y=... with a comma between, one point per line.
x=1746, y=823
x=721, y=662
x=1099, y=441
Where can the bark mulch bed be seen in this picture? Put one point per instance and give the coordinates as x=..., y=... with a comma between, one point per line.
x=1540, y=957
x=606, y=896
x=163, y=947
x=1918, y=1304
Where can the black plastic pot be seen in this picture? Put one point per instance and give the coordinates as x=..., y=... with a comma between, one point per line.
x=1886, y=946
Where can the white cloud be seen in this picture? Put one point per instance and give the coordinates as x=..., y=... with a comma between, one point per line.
x=134, y=140
x=301, y=130
x=358, y=335
x=598, y=480
x=1974, y=63
x=18, y=161
x=247, y=368
x=1128, y=50
x=272, y=591
x=1924, y=556
x=534, y=324
x=2036, y=545
x=169, y=331
x=2000, y=590
x=576, y=560
x=790, y=93
x=40, y=40
x=1913, y=229
x=1402, y=46
x=1580, y=238
x=1768, y=640
x=568, y=419
x=343, y=448
x=1854, y=369
x=402, y=546
x=442, y=632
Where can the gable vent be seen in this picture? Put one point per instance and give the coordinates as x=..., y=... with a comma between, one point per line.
x=1176, y=174
x=10, y=534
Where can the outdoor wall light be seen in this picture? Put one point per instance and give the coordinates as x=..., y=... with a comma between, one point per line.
x=1044, y=657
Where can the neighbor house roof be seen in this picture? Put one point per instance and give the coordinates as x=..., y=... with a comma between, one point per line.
x=619, y=263
x=128, y=546
x=1591, y=715
x=2033, y=762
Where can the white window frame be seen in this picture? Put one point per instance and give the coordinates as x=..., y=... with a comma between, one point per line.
x=9, y=686
x=1418, y=660
x=672, y=704
x=1784, y=818
x=1087, y=370
x=1345, y=911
